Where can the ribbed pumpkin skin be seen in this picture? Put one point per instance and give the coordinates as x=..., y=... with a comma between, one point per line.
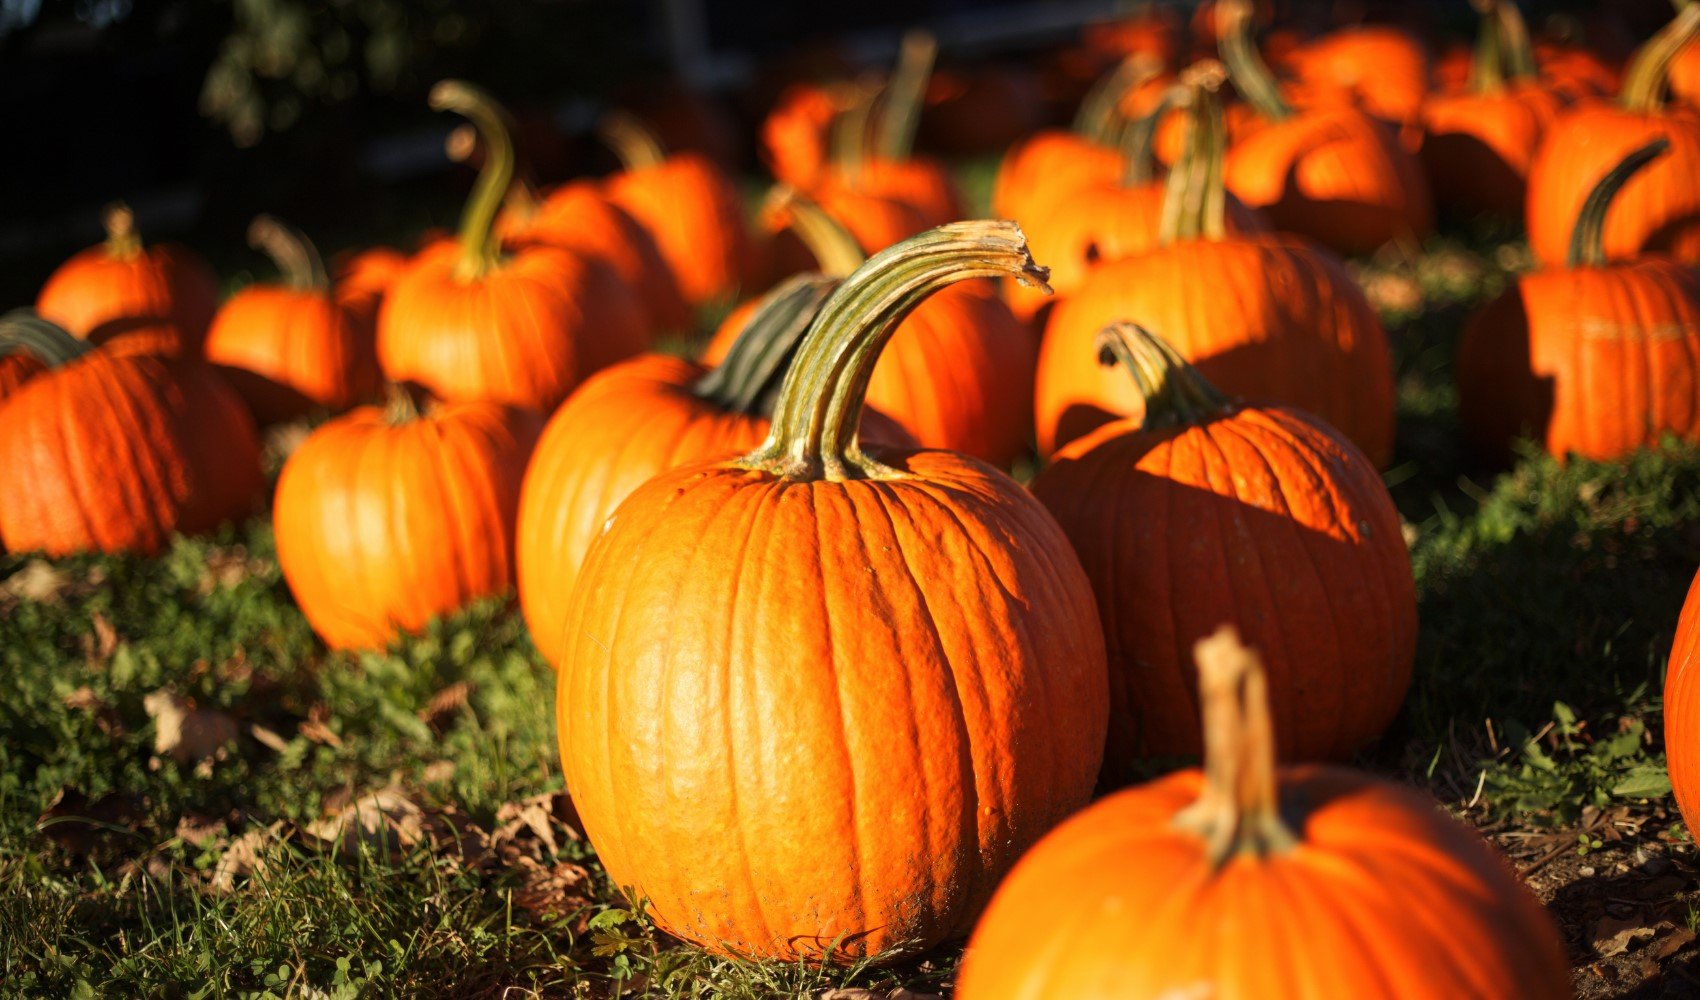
x=1264, y=317
x=1682, y=709
x=693, y=210
x=794, y=135
x=287, y=352
x=1381, y=69
x=1658, y=210
x=1265, y=519
x=874, y=220
x=1478, y=147
x=1336, y=175
x=114, y=452
x=1684, y=79
x=1049, y=164
x=920, y=182
x=382, y=527
x=525, y=334
x=1594, y=360
x=15, y=370
x=900, y=681
x=162, y=282
x=1385, y=897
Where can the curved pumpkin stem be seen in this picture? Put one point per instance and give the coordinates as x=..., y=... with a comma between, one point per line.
x=748, y=379
x=849, y=138
x=835, y=250
x=1176, y=394
x=293, y=253
x=122, y=240
x=1644, y=81
x=523, y=198
x=23, y=331
x=1101, y=109
x=820, y=403
x=1195, y=198
x=1515, y=48
x=1587, y=240
x=480, y=249
x=1239, y=811
x=905, y=94
x=1251, y=75
x=1487, y=76
x=1139, y=137
x=633, y=143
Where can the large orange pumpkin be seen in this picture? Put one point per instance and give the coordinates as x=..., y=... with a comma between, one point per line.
x=1196, y=514
x=1597, y=358
x=473, y=321
x=1682, y=709
x=874, y=221
x=113, y=450
x=820, y=697
x=1379, y=68
x=796, y=133
x=1267, y=317
x=387, y=517
x=29, y=345
x=1247, y=880
x=1660, y=209
x=363, y=277
x=109, y=289
x=292, y=347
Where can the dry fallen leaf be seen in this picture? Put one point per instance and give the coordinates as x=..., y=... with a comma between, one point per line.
x=244, y=857
x=444, y=704
x=102, y=640
x=199, y=830
x=187, y=733
x=438, y=771
x=1615, y=935
x=1670, y=944
x=382, y=819
x=268, y=737
x=38, y=580
x=556, y=892
x=227, y=567
x=317, y=729
x=856, y=993
x=106, y=719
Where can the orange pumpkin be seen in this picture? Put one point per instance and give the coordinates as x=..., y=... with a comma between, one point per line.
x=1660, y=209
x=470, y=321
x=1247, y=880
x=114, y=450
x=29, y=346
x=1379, y=68
x=112, y=288
x=796, y=133
x=1597, y=357
x=293, y=347
x=1268, y=317
x=1684, y=76
x=364, y=277
x=873, y=221
x=799, y=617
x=1682, y=709
x=1145, y=503
x=387, y=517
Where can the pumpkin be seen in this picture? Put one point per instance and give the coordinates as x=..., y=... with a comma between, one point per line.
x=297, y=346
x=1244, y=879
x=689, y=206
x=874, y=222
x=113, y=288
x=1379, y=68
x=957, y=375
x=364, y=277
x=796, y=133
x=30, y=346
x=1334, y=173
x=1683, y=78
x=114, y=450
x=1479, y=142
x=1195, y=514
x=1265, y=316
x=1682, y=737
x=472, y=321
x=642, y=417
x=387, y=517
x=818, y=698
x=1660, y=209
x=1597, y=358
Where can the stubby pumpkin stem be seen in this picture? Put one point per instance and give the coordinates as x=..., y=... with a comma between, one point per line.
x=1176, y=394
x=23, y=331
x=1251, y=75
x=1644, y=81
x=462, y=147
x=633, y=143
x=1101, y=109
x=480, y=248
x=905, y=94
x=122, y=240
x=1239, y=811
x=820, y=403
x=747, y=380
x=835, y=250
x=1587, y=239
x=1195, y=198
x=401, y=404
x=293, y=253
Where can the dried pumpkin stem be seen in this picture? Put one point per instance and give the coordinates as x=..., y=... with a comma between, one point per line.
x=748, y=379
x=850, y=131
x=294, y=254
x=122, y=240
x=1176, y=394
x=1644, y=81
x=820, y=402
x=480, y=248
x=23, y=331
x=1487, y=76
x=522, y=199
x=1515, y=48
x=905, y=94
x=1139, y=137
x=1195, y=198
x=633, y=143
x=1251, y=75
x=1238, y=813
x=834, y=248
x=1587, y=239
x=1100, y=111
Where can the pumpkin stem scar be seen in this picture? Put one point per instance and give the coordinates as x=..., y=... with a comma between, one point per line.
x=22, y=331
x=1252, y=76
x=1587, y=239
x=293, y=253
x=1176, y=394
x=480, y=248
x=835, y=250
x=1100, y=113
x=820, y=403
x=122, y=240
x=1644, y=80
x=1195, y=197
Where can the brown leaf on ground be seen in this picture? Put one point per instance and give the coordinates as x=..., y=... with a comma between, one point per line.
x=1616, y=935
x=267, y=737
x=227, y=567
x=38, y=580
x=200, y=830
x=558, y=892
x=383, y=819
x=187, y=733
x=1678, y=939
x=444, y=704
x=106, y=719
x=529, y=827
x=317, y=726
x=437, y=772
x=245, y=857
x=101, y=641
x=856, y=993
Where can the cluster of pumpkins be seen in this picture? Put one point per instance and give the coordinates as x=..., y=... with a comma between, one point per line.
x=825, y=670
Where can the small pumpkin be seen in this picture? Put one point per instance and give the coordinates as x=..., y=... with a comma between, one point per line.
x=796, y=134
x=296, y=346
x=113, y=288
x=1194, y=515
x=114, y=450
x=1682, y=709
x=473, y=321
x=799, y=618
x=387, y=517
x=1598, y=357
x=1242, y=879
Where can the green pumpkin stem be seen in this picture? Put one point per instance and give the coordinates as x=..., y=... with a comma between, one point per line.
x=748, y=379
x=1251, y=75
x=122, y=240
x=1100, y=111
x=1487, y=76
x=480, y=247
x=1644, y=81
x=1195, y=199
x=293, y=253
x=820, y=402
x=835, y=250
x=849, y=138
x=23, y=331
x=634, y=143
x=1175, y=393
x=905, y=95
x=402, y=404
x=1515, y=48
x=1139, y=137
x=1239, y=811
x=1587, y=239
x=522, y=199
